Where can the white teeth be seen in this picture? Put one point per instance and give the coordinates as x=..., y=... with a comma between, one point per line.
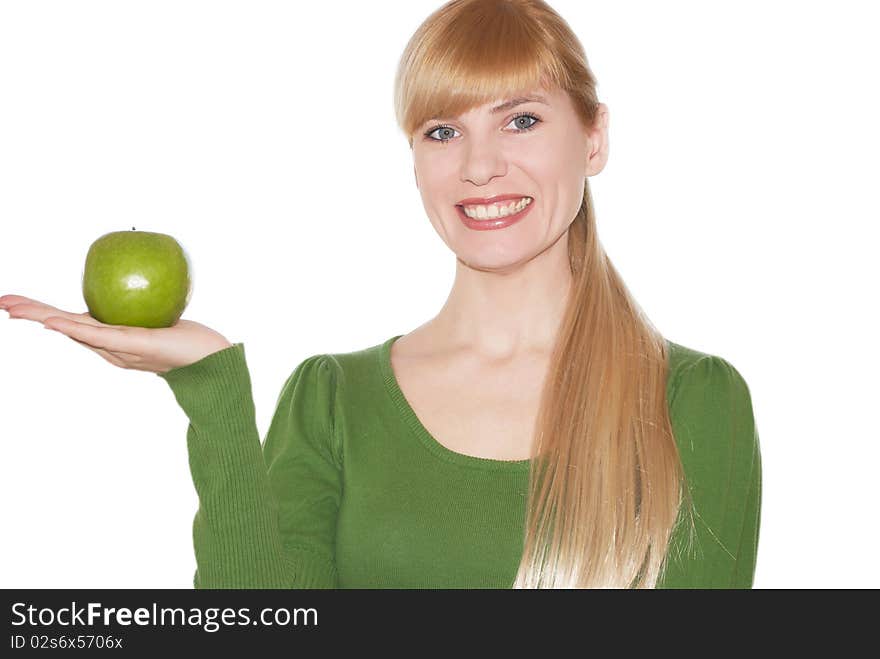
x=493, y=211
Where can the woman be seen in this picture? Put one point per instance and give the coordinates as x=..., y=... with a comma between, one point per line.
x=538, y=432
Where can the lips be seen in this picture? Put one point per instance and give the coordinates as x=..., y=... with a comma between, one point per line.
x=489, y=224
x=485, y=201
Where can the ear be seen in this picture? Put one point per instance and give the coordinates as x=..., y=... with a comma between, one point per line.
x=597, y=136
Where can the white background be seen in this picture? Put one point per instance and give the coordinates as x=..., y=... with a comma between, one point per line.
x=739, y=204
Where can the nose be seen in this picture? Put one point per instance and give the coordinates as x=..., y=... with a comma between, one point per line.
x=482, y=160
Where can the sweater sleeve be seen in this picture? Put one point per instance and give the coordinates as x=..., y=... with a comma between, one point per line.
x=267, y=514
x=712, y=418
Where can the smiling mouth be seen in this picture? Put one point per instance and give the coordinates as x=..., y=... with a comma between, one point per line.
x=498, y=210
x=498, y=222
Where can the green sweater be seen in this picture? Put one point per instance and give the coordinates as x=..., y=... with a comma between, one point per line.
x=349, y=490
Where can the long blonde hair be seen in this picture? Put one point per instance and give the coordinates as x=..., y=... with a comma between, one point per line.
x=606, y=483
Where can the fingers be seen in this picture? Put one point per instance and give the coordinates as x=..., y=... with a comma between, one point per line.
x=82, y=328
x=6, y=300
x=21, y=307
x=112, y=339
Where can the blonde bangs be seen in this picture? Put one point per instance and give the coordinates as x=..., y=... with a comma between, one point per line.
x=459, y=61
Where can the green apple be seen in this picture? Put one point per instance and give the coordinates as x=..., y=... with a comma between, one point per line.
x=137, y=278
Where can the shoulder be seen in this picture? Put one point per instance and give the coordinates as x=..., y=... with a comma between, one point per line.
x=338, y=366
x=710, y=403
x=357, y=369
x=696, y=376
x=328, y=374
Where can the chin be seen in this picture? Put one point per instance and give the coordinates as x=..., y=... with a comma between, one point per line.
x=494, y=258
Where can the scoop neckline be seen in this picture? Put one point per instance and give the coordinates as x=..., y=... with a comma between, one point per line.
x=412, y=420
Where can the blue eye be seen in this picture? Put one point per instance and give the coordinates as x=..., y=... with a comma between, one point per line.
x=519, y=129
x=441, y=127
x=527, y=116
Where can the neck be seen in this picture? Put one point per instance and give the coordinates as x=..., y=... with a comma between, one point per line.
x=502, y=315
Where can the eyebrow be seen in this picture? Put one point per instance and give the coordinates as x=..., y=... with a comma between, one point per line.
x=507, y=105
x=512, y=103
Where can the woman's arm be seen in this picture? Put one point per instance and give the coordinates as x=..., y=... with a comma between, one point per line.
x=714, y=426
x=267, y=515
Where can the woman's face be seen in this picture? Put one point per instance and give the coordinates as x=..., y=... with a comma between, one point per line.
x=534, y=149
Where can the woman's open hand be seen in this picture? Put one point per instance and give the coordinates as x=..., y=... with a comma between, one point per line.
x=155, y=350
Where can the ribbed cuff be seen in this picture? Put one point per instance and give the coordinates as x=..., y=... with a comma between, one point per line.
x=215, y=388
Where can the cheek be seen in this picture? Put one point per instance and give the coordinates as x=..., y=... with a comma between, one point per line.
x=436, y=180
x=563, y=172
x=431, y=171
x=548, y=170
